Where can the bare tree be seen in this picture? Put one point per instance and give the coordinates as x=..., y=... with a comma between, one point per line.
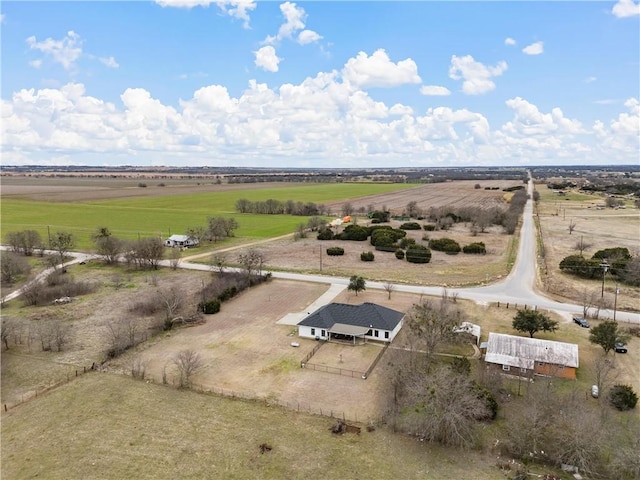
x=444, y=408
x=252, y=262
x=9, y=328
x=581, y=245
x=431, y=323
x=605, y=373
x=60, y=334
x=109, y=247
x=138, y=367
x=389, y=287
x=175, y=258
x=218, y=263
x=572, y=226
x=589, y=299
x=172, y=300
x=12, y=266
x=347, y=209
x=188, y=363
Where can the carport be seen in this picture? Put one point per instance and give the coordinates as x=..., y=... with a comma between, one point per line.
x=349, y=331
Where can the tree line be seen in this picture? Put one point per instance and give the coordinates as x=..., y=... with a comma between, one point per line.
x=277, y=207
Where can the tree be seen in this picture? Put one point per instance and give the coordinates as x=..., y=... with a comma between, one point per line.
x=412, y=209
x=188, y=363
x=252, y=262
x=581, y=245
x=147, y=252
x=631, y=272
x=356, y=284
x=347, y=209
x=606, y=335
x=175, y=258
x=315, y=223
x=389, y=287
x=572, y=226
x=443, y=408
x=432, y=323
x=171, y=299
x=12, y=266
x=62, y=242
x=109, y=247
x=25, y=241
x=218, y=263
x=8, y=328
x=532, y=321
x=196, y=233
x=623, y=397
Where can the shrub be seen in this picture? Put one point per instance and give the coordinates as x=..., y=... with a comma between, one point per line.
x=487, y=396
x=335, y=251
x=446, y=245
x=382, y=238
x=477, y=247
x=418, y=254
x=325, y=234
x=382, y=248
x=407, y=242
x=410, y=226
x=379, y=216
x=355, y=233
x=429, y=227
x=228, y=293
x=142, y=185
x=580, y=266
x=210, y=307
x=400, y=254
x=623, y=397
x=367, y=256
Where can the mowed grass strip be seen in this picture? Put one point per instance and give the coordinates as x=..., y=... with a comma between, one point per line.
x=130, y=218
x=110, y=426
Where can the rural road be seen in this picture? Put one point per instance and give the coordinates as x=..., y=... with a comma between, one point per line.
x=519, y=287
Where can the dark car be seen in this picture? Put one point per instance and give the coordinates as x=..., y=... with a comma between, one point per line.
x=621, y=347
x=581, y=321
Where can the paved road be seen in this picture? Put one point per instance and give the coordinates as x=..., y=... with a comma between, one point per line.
x=519, y=287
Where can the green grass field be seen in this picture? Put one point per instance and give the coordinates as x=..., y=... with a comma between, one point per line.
x=128, y=218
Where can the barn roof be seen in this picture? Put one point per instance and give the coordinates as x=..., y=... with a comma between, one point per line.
x=366, y=315
x=523, y=352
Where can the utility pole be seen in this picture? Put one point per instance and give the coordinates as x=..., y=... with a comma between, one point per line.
x=605, y=268
x=615, y=302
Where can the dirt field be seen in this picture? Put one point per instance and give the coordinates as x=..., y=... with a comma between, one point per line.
x=600, y=228
x=304, y=255
x=246, y=352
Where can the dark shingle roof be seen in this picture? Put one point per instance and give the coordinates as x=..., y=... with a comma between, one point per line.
x=364, y=315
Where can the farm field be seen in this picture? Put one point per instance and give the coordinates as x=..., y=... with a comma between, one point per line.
x=63, y=206
x=598, y=228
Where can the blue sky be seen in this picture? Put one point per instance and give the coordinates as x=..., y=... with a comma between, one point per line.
x=320, y=84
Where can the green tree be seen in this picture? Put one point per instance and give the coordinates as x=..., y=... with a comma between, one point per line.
x=623, y=397
x=606, y=334
x=532, y=321
x=356, y=284
x=62, y=242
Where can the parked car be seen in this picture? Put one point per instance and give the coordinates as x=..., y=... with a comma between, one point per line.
x=594, y=391
x=581, y=321
x=621, y=347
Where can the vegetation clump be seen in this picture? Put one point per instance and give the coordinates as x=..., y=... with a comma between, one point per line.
x=446, y=245
x=623, y=397
x=367, y=256
x=475, y=248
x=411, y=226
x=418, y=254
x=335, y=251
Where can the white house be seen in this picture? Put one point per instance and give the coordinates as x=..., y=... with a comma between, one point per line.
x=367, y=321
x=181, y=241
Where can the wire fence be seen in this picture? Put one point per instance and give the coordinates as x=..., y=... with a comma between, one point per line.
x=335, y=370
x=25, y=397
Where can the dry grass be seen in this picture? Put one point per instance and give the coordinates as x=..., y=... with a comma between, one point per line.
x=601, y=229
x=110, y=426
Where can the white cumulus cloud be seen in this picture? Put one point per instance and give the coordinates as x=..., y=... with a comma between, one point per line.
x=626, y=8
x=529, y=121
x=306, y=37
x=294, y=21
x=477, y=78
x=378, y=70
x=267, y=59
x=434, y=90
x=64, y=51
x=109, y=62
x=535, y=48
x=509, y=41
x=234, y=8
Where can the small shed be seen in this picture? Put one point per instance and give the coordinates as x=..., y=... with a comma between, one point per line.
x=181, y=241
